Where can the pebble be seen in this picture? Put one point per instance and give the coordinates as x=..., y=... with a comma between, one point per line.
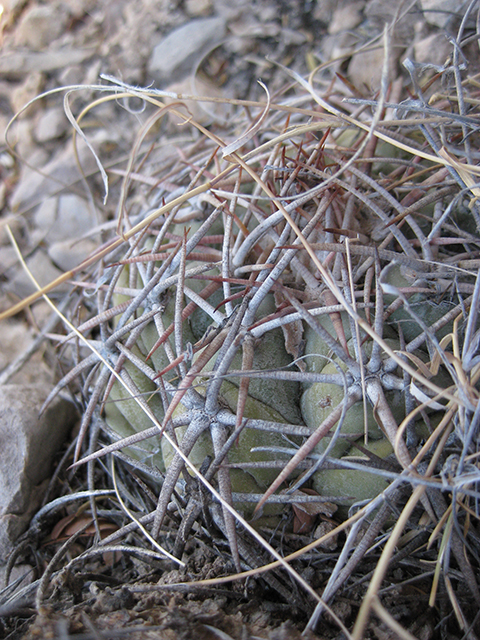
x=60, y=173
x=40, y=265
x=383, y=12
x=324, y=10
x=17, y=64
x=51, y=124
x=179, y=52
x=345, y=17
x=40, y=26
x=8, y=260
x=26, y=91
x=434, y=49
x=15, y=339
x=16, y=225
x=202, y=112
x=198, y=8
x=68, y=254
x=365, y=69
x=20, y=136
x=23, y=571
x=439, y=12
x=64, y=218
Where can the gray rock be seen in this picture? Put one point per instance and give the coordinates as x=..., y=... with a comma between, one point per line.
x=22, y=572
x=198, y=8
x=16, y=64
x=60, y=173
x=28, y=443
x=434, y=49
x=64, y=218
x=40, y=25
x=72, y=74
x=21, y=133
x=26, y=91
x=365, y=68
x=177, y=53
x=40, y=265
x=8, y=259
x=440, y=12
x=51, y=124
x=345, y=17
x=68, y=254
x=382, y=12
x=323, y=10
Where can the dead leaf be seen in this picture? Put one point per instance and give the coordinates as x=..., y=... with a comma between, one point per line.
x=305, y=513
x=293, y=335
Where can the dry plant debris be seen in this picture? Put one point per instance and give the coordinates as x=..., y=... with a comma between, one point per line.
x=276, y=354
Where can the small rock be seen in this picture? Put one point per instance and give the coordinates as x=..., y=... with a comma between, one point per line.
x=365, y=68
x=8, y=259
x=51, y=124
x=28, y=443
x=15, y=338
x=28, y=90
x=61, y=172
x=323, y=11
x=24, y=572
x=72, y=74
x=337, y=48
x=247, y=27
x=11, y=12
x=433, y=49
x=440, y=12
x=40, y=265
x=384, y=12
x=177, y=53
x=68, y=254
x=15, y=223
x=15, y=64
x=79, y=8
x=202, y=112
x=346, y=17
x=64, y=218
x=40, y=26
x=20, y=136
x=198, y=8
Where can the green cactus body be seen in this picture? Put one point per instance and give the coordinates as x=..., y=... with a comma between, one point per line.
x=125, y=417
x=251, y=480
x=122, y=413
x=248, y=439
x=353, y=485
x=318, y=353
x=283, y=396
x=422, y=305
x=200, y=321
x=149, y=337
x=269, y=354
x=319, y=400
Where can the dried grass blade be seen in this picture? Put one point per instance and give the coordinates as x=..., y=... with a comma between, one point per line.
x=251, y=132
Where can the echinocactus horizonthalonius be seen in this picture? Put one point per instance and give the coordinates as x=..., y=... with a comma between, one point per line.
x=250, y=314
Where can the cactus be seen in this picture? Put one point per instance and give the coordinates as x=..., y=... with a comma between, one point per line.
x=214, y=310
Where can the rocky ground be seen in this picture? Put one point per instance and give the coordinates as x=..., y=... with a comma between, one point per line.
x=205, y=47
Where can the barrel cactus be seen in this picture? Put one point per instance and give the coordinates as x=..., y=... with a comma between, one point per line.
x=263, y=335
